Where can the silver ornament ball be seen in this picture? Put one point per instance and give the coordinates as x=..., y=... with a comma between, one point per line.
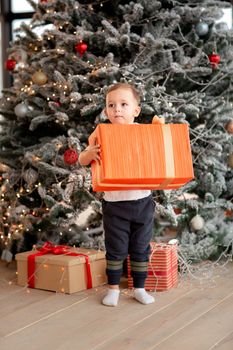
x=21, y=110
x=202, y=28
x=30, y=176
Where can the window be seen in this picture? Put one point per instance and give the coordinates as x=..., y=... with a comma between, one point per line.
x=21, y=6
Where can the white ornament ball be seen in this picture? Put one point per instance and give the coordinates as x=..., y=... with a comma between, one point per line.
x=197, y=223
x=21, y=110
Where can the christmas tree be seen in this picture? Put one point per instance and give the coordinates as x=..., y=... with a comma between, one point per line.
x=179, y=56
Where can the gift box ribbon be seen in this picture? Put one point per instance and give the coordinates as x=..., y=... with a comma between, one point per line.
x=49, y=248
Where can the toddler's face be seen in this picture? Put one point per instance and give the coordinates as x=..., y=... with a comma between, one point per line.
x=121, y=106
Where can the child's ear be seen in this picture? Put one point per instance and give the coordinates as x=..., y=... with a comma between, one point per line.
x=137, y=111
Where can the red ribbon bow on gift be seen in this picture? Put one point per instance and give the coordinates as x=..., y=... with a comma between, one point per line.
x=50, y=248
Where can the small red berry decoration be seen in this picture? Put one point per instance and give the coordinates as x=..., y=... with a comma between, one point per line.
x=81, y=48
x=58, y=103
x=10, y=64
x=214, y=60
x=70, y=156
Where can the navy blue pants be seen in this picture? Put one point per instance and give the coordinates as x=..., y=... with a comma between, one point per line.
x=128, y=227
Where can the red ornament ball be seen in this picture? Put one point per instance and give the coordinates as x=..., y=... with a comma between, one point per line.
x=81, y=48
x=214, y=60
x=70, y=156
x=10, y=64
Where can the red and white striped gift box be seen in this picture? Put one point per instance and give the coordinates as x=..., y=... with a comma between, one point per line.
x=162, y=268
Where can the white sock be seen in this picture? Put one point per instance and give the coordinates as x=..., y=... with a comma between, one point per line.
x=112, y=297
x=142, y=296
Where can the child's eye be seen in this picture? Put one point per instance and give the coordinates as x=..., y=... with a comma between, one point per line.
x=110, y=105
x=124, y=104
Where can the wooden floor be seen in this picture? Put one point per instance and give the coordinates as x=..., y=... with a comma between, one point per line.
x=197, y=315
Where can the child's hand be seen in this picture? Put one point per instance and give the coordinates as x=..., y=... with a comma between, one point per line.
x=91, y=153
x=158, y=120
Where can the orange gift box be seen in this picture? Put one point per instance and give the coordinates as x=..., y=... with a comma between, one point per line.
x=162, y=268
x=141, y=156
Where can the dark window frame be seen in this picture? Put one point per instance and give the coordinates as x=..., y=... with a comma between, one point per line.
x=6, y=28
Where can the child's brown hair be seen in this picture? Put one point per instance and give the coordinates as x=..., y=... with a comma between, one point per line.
x=125, y=86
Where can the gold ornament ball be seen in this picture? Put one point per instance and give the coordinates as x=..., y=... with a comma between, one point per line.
x=229, y=127
x=230, y=160
x=39, y=78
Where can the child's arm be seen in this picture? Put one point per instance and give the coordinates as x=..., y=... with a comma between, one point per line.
x=92, y=152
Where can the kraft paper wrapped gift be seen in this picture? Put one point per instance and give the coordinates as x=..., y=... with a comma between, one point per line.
x=141, y=156
x=61, y=272
x=162, y=268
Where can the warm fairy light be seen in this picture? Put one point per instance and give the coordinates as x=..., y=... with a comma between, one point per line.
x=62, y=290
x=36, y=159
x=18, y=195
x=28, y=291
x=62, y=268
x=45, y=266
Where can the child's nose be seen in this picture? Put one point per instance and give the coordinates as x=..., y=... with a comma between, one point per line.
x=118, y=108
